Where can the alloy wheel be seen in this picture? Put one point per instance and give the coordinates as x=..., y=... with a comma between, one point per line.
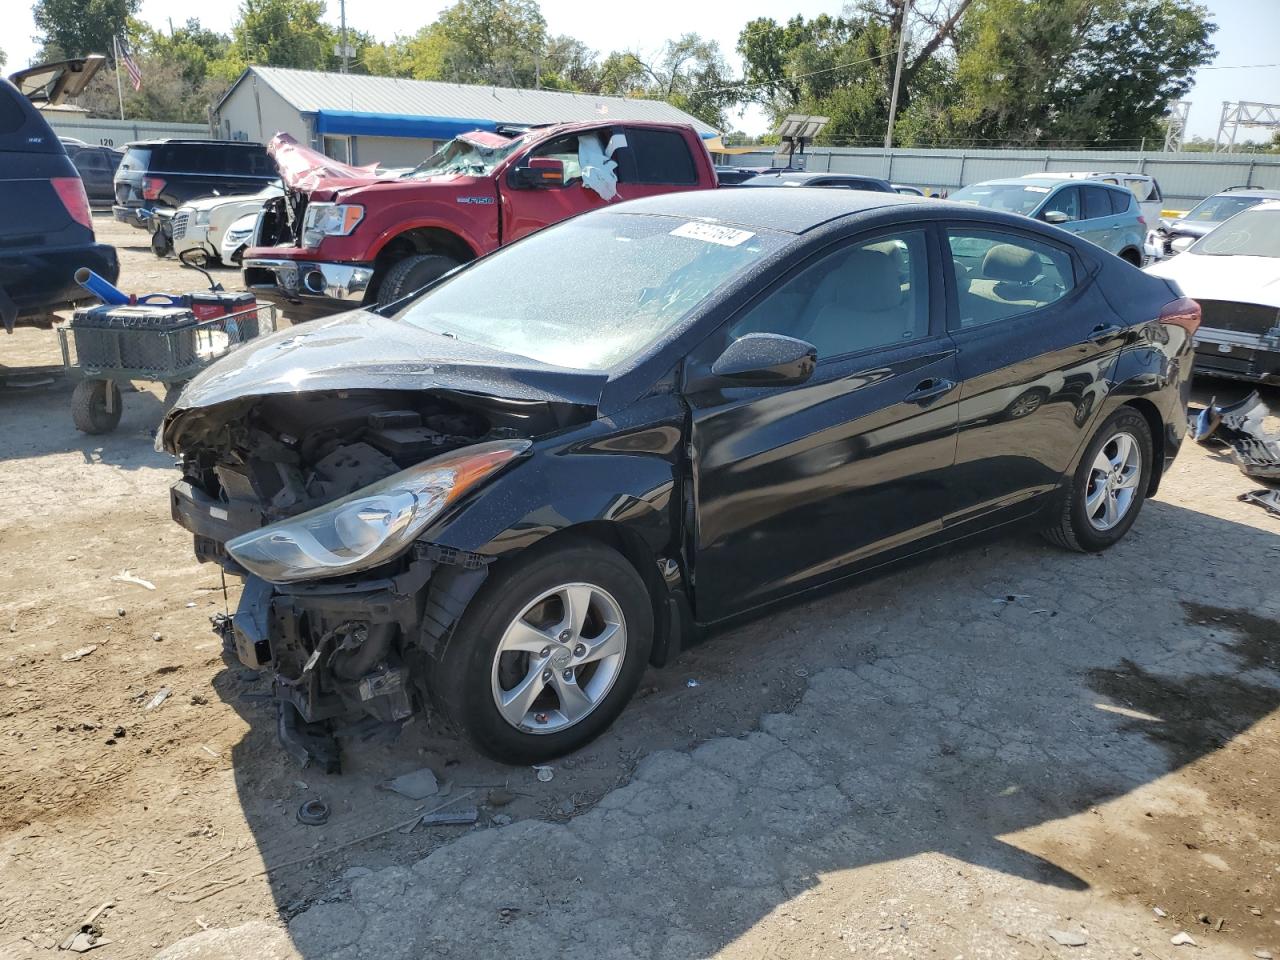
x=558, y=659
x=1113, y=481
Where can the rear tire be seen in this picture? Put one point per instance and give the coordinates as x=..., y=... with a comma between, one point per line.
x=479, y=666
x=89, y=406
x=1132, y=257
x=412, y=273
x=1116, y=470
x=160, y=244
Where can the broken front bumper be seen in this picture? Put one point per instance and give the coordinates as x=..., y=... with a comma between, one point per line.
x=302, y=281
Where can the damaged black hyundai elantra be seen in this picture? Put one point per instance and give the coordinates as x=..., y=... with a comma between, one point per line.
x=505, y=496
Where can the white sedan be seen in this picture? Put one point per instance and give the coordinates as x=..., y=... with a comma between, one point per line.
x=201, y=224
x=1234, y=273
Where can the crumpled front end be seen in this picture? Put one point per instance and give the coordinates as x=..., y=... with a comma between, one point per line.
x=294, y=491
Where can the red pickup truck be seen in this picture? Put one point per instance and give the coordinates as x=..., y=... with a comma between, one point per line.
x=344, y=236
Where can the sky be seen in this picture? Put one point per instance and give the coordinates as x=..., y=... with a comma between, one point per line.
x=1249, y=33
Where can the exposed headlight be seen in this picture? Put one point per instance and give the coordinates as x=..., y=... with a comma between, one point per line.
x=329, y=220
x=372, y=525
x=202, y=217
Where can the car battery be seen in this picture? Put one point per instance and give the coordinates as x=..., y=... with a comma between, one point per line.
x=143, y=337
x=240, y=306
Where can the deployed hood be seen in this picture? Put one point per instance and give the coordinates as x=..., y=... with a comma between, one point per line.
x=363, y=350
x=304, y=169
x=1234, y=279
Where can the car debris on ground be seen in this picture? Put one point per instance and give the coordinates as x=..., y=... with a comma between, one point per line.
x=1240, y=426
x=416, y=785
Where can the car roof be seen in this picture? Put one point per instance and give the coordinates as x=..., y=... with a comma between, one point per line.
x=204, y=141
x=1257, y=192
x=1084, y=175
x=788, y=211
x=1043, y=180
x=804, y=176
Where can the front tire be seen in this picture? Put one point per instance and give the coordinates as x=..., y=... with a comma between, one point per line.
x=412, y=273
x=1108, y=487
x=548, y=653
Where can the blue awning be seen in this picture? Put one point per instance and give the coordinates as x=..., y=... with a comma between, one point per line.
x=353, y=123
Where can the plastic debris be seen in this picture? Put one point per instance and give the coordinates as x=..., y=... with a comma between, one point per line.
x=500, y=819
x=161, y=696
x=313, y=812
x=1159, y=912
x=79, y=654
x=450, y=818
x=1069, y=938
x=417, y=785
x=692, y=683
x=1269, y=500
x=1183, y=939
x=500, y=797
x=544, y=773
x=124, y=576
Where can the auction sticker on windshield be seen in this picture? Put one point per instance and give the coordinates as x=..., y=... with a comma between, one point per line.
x=712, y=233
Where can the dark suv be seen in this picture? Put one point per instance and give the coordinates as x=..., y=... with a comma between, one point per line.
x=46, y=232
x=168, y=173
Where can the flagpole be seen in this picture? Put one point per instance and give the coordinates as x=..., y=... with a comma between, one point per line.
x=115, y=46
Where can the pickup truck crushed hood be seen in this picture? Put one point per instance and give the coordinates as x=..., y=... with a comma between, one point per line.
x=362, y=350
x=304, y=169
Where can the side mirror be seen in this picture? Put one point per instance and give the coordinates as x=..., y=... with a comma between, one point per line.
x=540, y=172
x=1180, y=244
x=766, y=360
x=1055, y=216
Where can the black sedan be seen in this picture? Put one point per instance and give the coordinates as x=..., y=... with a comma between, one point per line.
x=512, y=492
x=799, y=178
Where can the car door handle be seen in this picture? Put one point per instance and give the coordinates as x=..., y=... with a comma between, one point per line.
x=1104, y=332
x=927, y=391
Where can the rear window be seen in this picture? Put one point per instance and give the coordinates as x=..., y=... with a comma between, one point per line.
x=21, y=126
x=210, y=158
x=1119, y=201
x=655, y=156
x=136, y=158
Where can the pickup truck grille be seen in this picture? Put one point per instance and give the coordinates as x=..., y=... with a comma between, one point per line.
x=180, y=226
x=1241, y=317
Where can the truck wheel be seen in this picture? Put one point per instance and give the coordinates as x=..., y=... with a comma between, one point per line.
x=89, y=406
x=547, y=654
x=412, y=273
x=160, y=244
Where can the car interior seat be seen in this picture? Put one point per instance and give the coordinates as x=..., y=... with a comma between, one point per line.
x=862, y=303
x=1010, y=281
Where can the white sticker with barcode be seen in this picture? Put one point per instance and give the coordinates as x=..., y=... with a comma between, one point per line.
x=712, y=233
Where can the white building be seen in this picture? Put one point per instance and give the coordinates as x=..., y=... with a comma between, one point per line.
x=396, y=122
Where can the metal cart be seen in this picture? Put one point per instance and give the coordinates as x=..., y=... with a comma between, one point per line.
x=105, y=356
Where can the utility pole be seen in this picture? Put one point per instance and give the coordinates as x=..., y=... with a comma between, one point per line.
x=897, y=74
x=342, y=14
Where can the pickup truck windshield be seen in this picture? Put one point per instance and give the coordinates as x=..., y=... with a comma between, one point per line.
x=592, y=292
x=459, y=156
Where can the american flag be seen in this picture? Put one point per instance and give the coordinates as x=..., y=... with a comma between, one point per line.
x=135, y=75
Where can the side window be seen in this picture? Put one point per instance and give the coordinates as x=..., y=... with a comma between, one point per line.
x=867, y=294
x=564, y=149
x=1097, y=202
x=655, y=156
x=1066, y=200
x=1120, y=202
x=90, y=160
x=1002, y=275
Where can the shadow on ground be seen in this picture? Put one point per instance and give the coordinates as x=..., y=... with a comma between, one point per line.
x=918, y=713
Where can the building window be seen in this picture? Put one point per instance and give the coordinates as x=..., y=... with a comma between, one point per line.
x=338, y=148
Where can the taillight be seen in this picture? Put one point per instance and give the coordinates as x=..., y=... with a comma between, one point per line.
x=71, y=193
x=1183, y=312
x=151, y=187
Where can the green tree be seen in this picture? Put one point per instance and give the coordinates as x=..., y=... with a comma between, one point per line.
x=689, y=73
x=482, y=41
x=284, y=33
x=80, y=27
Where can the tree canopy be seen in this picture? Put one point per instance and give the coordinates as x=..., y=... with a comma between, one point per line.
x=981, y=72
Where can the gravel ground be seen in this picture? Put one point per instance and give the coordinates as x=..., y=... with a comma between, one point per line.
x=912, y=767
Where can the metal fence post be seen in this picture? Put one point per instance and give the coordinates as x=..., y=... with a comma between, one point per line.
x=963, y=157
x=1248, y=180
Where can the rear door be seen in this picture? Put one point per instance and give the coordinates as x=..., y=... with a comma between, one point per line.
x=96, y=172
x=795, y=486
x=1035, y=340
x=1097, y=219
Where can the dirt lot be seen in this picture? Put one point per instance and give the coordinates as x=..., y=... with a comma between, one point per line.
x=916, y=766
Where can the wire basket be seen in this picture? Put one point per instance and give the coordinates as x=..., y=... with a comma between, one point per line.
x=171, y=354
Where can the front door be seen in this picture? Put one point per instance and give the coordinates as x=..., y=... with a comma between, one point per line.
x=640, y=162
x=1036, y=340
x=795, y=485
